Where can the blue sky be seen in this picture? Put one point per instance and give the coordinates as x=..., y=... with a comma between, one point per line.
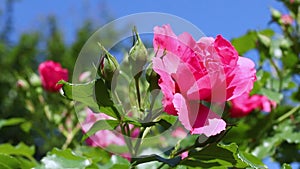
x=229, y=18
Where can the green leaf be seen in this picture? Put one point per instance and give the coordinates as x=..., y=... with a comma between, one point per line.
x=289, y=60
x=83, y=93
x=239, y=43
x=101, y=125
x=21, y=150
x=116, y=162
x=272, y=95
x=215, y=154
x=64, y=159
x=26, y=126
x=224, y=156
x=251, y=160
x=9, y=162
x=247, y=42
x=97, y=155
x=11, y=122
x=267, y=147
x=143, y=159
x=102, y=93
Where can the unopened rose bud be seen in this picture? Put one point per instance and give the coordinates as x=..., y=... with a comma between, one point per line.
x=275, y=14
x=22, y=84
x=137, y=55
x=34, y=80
x=109, y=66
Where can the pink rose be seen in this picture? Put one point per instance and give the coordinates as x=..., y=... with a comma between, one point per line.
x=207, y=70
x=286, y=19
x=102, y=138
x=245, y=104
x=50, y=73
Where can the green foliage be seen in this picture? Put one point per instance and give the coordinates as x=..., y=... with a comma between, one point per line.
x=222, y=156
x=63, y=159
x=19, y=156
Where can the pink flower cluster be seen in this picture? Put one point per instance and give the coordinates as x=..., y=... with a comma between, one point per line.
x=192, y=72
x=245, y=104
x=50, y=73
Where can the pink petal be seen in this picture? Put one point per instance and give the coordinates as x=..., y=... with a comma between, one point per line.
x=243, y=78
x=197, y=118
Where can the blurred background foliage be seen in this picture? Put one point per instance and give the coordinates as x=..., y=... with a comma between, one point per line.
x=27, y=113
x=44, y=120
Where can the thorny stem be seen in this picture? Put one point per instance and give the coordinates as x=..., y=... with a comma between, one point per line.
x=288, y=114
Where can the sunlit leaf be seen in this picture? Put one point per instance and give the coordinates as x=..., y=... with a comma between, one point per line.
x=63, y=159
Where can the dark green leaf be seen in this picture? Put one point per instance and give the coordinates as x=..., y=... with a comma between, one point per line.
x=143, y=159
x=222, y=156
x=289, y=59
x=102, y=93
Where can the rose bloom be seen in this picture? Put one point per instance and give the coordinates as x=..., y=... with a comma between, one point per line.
x=102, y=138
x=245, y=104
x=287, y=19
x=191, y=71
x=50, y=73
x=105, y=138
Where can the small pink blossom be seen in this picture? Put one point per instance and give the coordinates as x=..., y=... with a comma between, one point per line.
x=50, y=73
x=190, y=71
x=22, y=84
x=245, y=104
x=287, y=19
x=184, y=155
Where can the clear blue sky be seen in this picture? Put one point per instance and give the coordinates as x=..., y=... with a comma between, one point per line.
x=229, y=18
